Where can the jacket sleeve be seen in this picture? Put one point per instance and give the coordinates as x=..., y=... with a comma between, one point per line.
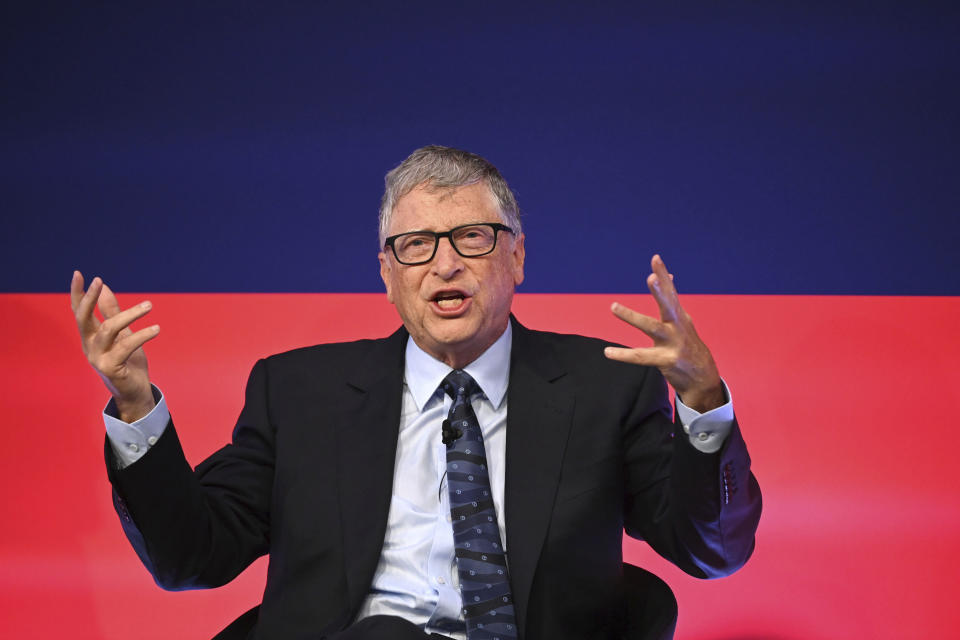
x=196, y=529
x=698, y=510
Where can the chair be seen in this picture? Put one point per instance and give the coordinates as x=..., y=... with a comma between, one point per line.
x=240, y=628
x=651, y=609
x=651, y=606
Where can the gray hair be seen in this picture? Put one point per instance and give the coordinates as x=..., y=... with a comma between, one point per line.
x=445, y=168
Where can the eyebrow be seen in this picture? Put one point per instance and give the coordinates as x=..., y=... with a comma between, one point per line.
x=456, y=226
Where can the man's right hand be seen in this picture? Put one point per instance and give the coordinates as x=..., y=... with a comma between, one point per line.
x=112, y=348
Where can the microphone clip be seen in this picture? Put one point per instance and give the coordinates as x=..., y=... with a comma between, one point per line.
x=450, y=433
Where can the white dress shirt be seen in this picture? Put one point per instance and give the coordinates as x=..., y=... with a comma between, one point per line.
x=417, y=565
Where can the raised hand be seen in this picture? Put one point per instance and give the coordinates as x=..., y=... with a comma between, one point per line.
x=113, y=349
x=677, y=350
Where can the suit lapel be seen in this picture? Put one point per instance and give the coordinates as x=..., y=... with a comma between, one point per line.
x=367, y=448
x=539, y=416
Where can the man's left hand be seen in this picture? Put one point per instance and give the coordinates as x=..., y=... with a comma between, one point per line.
x=679, y=353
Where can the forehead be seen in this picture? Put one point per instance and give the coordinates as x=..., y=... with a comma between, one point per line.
x=436, y=209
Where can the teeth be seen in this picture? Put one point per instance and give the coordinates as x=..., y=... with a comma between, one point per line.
x=448, y=303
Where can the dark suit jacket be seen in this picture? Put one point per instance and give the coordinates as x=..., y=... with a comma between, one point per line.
x=307, y=478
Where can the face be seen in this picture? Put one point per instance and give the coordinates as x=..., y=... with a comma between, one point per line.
x=453, y=307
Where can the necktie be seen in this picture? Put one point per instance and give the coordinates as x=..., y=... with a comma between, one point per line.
x=481, y=563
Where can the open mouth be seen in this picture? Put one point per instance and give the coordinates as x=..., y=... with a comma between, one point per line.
x=449, y=300
x=452, y=301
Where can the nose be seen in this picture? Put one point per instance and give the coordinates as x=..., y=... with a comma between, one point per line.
x=447, y=263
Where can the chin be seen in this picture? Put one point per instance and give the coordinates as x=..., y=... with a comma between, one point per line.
x=456, y=333
x=453, y=335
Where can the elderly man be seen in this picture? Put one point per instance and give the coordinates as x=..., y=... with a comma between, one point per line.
x=465, y=477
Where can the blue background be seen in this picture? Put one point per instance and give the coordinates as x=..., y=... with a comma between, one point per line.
x=761, y=148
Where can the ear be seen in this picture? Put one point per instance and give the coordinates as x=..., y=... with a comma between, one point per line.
x=386, y=272
x=518, y=254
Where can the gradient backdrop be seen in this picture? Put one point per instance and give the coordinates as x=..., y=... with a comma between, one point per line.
x=795, y=165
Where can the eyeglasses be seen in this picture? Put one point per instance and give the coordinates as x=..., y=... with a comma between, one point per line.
x=469, y=240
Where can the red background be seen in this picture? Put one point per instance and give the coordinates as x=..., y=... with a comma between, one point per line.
x=846, y=404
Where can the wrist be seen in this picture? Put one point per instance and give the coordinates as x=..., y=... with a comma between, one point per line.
x=130, y=411
x=703, y=400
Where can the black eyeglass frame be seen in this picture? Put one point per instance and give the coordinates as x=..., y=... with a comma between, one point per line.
x=496, y=226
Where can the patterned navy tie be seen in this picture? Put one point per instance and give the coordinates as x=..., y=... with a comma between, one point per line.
x=481, y=562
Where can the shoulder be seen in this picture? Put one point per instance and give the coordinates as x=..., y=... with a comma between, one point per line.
x=565, y=340
x=576, y=354
x=565, y=344
x=326, y=351
x=568, y=346
x=339, y=357
x=576, y=364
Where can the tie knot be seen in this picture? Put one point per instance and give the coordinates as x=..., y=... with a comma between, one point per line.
x=459, y=383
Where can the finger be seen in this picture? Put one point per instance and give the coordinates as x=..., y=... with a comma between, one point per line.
x=128, y=344
x=663, y=276
x=86, y=321
x=113, y=325
x=107, y=302
x=649, y=356
x=109, y=307
x=76, y=290
x=667, y=312
x=648, y=325
x=660, y=283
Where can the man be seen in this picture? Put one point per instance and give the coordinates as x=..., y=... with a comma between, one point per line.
x=465, y=476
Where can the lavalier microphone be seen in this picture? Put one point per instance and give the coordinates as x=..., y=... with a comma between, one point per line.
x=450, y=433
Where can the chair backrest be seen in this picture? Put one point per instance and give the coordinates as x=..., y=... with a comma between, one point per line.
x=240, y=628
x=651, y=606
x=651, y=609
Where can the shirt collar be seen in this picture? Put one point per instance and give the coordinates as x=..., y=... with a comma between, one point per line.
x=423, y=373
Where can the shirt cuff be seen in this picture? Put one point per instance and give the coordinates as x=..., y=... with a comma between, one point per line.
x=707, y=431
x=131, y=440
